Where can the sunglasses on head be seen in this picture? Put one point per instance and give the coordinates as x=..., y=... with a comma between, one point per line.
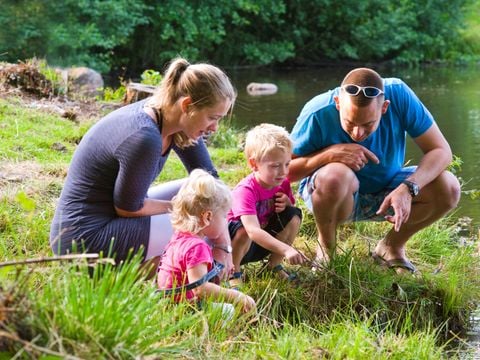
x=368, y=91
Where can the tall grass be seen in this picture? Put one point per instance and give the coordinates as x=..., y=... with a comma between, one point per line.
x=113, y=314
x=352, y=308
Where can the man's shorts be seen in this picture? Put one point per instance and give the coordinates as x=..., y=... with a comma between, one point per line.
x=276, y=223
x=365, y=205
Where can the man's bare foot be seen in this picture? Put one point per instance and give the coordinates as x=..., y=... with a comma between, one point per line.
x=322, y=259
x=393, y=258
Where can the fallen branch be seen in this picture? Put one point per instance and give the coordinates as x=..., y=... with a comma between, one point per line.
x=69, y=257
x=28, y=346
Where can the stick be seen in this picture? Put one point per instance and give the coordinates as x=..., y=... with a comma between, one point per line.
x=53, y=258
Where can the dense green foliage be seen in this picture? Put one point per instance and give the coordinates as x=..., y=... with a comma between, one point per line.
x=141, y=34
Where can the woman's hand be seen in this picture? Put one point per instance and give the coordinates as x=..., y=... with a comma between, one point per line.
x=226, y=259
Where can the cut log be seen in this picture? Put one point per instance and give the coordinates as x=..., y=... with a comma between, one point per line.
x=137, y=91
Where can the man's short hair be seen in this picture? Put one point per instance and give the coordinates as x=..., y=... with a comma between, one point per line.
x=363, y=77
x=264, y=138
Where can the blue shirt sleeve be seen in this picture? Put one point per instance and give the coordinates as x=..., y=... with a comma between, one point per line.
x=414, y=116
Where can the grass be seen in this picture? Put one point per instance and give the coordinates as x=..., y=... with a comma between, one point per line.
x=352, y=309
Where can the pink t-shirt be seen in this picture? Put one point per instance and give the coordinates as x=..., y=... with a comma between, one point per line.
x=250, y=198
x=184, y=251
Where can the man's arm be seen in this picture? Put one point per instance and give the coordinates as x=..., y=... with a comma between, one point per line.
x=353, y=155
x=303, y=166
x=437, y=155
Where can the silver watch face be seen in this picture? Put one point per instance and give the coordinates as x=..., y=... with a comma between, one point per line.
x=227, y=248
x=415, y=189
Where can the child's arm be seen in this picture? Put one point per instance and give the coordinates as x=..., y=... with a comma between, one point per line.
x=281, y=202
x=211, y=290
x=267, y=241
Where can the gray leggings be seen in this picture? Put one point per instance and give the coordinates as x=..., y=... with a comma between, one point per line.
x=160, y=226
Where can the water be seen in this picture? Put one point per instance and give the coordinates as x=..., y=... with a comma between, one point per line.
x=451, y=94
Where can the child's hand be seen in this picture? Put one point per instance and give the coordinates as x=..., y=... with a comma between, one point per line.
x=281, y=202
x=247, y=303
x=294, y=257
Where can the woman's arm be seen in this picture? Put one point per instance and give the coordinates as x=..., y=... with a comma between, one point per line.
x=150, y=207
x=197, y=157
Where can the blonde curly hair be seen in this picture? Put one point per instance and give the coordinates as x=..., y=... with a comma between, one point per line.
x=199, y=193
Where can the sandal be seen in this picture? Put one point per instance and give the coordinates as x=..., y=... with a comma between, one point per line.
x=280, y=268
x=394, y=264
x=236, y=280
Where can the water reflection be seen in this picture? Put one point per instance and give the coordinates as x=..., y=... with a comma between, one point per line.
x=451, y=94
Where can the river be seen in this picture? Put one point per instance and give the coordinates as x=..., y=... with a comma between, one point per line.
x=452, y=94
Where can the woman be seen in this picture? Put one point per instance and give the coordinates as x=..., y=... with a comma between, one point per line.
x=104, y=205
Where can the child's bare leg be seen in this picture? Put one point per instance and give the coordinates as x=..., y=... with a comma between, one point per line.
x=287, y=236
x=240, y=245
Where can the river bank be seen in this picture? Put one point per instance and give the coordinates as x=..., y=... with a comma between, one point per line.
x=351, y=309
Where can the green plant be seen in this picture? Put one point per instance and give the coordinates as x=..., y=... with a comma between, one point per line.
x=151, y=77
x=51, y=74
x=114, y=95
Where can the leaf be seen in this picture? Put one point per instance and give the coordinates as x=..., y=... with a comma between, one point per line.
x=27, y=203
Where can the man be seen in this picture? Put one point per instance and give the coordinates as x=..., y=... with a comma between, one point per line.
x=349, y=148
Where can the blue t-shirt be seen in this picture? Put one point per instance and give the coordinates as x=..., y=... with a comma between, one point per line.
x=318, y=126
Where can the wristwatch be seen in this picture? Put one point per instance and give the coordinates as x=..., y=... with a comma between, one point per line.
x=412, y=187
x=227, y=248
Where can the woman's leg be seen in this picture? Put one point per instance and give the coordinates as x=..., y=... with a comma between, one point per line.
x=165, y=191
x=160, y=226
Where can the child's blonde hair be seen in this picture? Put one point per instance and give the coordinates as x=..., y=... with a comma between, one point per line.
x=264, y=138
x=199, y=193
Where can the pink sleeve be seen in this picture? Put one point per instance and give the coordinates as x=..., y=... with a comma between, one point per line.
x=244, y=202
x=199, y=254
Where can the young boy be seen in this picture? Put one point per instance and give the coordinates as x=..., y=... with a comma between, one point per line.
x=263, y=220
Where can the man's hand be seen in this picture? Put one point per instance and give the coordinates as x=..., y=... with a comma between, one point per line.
x=401, y=202
x=281, y=202
x=355, y=156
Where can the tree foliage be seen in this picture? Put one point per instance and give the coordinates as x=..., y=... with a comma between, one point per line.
x=140, y=34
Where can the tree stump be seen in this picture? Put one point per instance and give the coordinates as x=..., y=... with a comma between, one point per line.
x=137, y=91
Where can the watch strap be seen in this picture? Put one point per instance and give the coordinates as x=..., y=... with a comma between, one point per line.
x=226, y=248
x=412, y=187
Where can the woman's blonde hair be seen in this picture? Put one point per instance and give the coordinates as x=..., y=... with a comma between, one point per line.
x=205, y=84
x=199, y=193
x=264, y=138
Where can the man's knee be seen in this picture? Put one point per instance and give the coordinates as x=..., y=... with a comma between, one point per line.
x=445, y=191
x=453, y=190
x=335, y=181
